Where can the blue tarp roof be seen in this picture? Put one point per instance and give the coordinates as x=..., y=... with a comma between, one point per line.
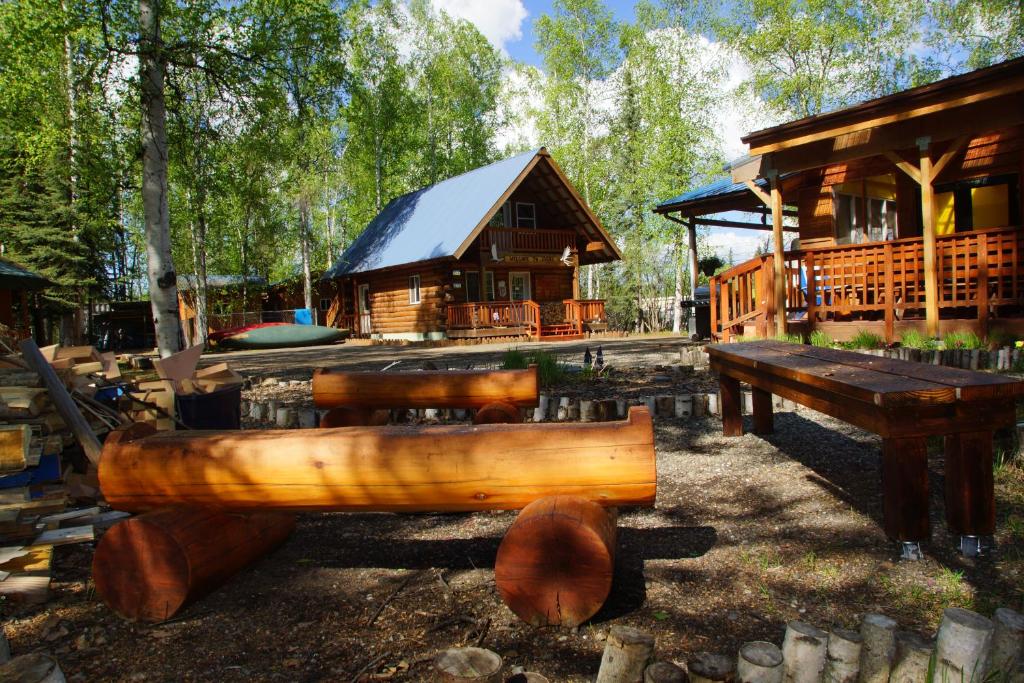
x=431, y=222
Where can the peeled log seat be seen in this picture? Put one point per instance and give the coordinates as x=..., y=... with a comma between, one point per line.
x=555, y=564
x=148, y=568
x=445, y=468
x=426, y=389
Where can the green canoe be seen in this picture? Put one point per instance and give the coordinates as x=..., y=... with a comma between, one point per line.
x=280, y=335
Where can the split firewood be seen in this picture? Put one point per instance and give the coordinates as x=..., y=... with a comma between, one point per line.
x=627, y=653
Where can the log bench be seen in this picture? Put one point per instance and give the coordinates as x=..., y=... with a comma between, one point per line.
x=901, y=401
x=214, y=501
x=356, y=398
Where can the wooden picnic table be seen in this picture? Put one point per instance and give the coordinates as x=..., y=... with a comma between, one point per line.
x=901, y=401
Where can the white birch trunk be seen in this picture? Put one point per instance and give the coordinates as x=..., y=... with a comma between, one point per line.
x=879, y=648
x=759, y=662
x=677, y=310
x=163, y=285
x=307, y=276
x=804, y=650
x=843, y=659
x=962, y=646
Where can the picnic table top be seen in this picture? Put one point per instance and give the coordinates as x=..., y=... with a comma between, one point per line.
x=859, y=376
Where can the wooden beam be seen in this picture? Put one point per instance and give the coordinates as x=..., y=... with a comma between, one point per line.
x=748, y=170
x=931, y=285
x=913, y=171
x=719, y=223
x=948, y=155
x=780, y=256
x=444, y=468
x=758, y=192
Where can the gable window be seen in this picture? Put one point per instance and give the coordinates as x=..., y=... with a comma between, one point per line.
x=526, y=215
x=414, y=289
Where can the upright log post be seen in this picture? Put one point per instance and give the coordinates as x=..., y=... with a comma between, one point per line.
x=879, y=648
x=803, y=650
x=150, y=567
x=962, y=646
x=1007, y=641
x=913, y=657
x=778, y=249
x=759, y=662
x=555, y=565
x=626, y=655
x=843, y=662
x=928, y=227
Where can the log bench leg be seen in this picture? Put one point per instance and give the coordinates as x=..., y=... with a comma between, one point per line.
x=970, y=492
x=555, y=565
x=731, y=407
x=148, y=568
x=905, y=490
x=763, y=419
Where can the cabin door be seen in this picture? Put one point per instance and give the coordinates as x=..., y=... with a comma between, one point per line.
x=364, y=309
x=519, y=283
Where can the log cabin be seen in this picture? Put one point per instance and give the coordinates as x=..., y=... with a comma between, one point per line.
x=494, y=252
x=906, y=212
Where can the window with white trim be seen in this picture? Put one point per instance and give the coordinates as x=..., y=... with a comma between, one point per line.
x=526, y=215
x=325, y=304
x=414, y=289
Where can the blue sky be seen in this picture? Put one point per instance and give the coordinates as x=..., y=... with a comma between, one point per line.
x=522, y=49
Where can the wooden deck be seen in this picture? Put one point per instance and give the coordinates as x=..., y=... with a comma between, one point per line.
x=901, y=401
x=980, y=281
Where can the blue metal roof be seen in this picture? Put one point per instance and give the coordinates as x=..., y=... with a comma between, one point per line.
x=16, y=276
x=722, y=186
x=431, y=222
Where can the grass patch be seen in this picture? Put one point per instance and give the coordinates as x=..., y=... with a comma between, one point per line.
x=820, y=339
x=962, y=339
x=549, y=370
x=866, y=340
x=912, y=339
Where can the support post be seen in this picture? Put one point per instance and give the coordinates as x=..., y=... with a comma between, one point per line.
x=928, y=227
x=692, y=235
x=905, y=489
x=982, y=285
x=970, y=492
x=732, y=401
x=780, y=256
x=890, y=296
x=763, y=419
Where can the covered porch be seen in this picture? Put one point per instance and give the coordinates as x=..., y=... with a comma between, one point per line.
x=565, y=320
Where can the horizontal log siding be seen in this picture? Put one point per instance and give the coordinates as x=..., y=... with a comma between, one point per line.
x=390, y=310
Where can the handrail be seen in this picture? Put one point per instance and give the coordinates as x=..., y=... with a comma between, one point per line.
x=527, y=239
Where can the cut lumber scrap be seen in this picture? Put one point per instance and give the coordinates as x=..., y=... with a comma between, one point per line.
x=436, y=468
x=22, y=401
x=151, y=566
x=34, y=667
x=425, y=389
x=26, y=588
x=354, y=417
x=468, y=665
x=19, y=377
x=62, y=400
x=75, y=534
x=555, y=565
x=627, y=652
x=35, y=561
x=54, y=520
x=15, y=443
x=178, y=366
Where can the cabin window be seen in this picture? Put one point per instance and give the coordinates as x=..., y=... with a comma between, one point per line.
x=865, y=210
x=526, y=215
x=489, y=285
x=472, y=285
x=502, y=218
x=976, y=204
x=325, y=304
x=414, y=289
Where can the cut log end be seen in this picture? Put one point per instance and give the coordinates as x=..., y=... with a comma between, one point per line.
x=627, y=653
x=555, y=564
x=706, y=667
x=468, y=665
x=664, y=672
x=498, y=413
x=759, y=662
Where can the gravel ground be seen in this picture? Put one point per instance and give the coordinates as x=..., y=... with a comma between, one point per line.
x=747, y=533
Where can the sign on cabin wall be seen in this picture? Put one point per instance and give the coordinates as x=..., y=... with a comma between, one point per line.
x=532, y=259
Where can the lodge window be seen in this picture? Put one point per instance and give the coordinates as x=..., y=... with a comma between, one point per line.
x=526, y=215
x=976, y=204
x=865, y=210
x=502, y=218
x=489, y=285
x=414, y=289
x=472, y=285
x=325, y=304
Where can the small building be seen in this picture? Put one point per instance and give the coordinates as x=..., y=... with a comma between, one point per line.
x=285, y=297
x=16, y=282
x=492, y=252
x=231, y=301
x=906, y=210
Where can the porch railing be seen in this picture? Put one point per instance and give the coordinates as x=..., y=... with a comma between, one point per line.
x=885, y=280
x=527, y=239
x=495, y=314
x=581, y=311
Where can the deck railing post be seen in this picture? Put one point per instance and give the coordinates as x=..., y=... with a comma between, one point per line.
x=982, y=284
x=812, y=290
x=713, y=292
x=890, y=296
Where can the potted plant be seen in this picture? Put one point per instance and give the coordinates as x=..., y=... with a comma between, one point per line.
x=709, y=264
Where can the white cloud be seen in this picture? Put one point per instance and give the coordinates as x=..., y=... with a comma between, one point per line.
x=742, y=243
x=501, y=21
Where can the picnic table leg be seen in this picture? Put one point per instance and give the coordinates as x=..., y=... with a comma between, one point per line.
x=763, y=422
x=970, y=493
x=732, y=402
x=905, y=491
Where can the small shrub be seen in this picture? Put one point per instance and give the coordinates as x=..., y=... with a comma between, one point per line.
x=962, y=339
x=912, y=339
x=866, y=340
x=549, y=370
x=819, y=338
x=792, y=338
x=997, y=339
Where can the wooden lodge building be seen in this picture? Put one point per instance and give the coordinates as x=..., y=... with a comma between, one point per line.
x=906, y=210
x=492, y=252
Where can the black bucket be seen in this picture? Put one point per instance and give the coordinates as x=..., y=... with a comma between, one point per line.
x=221, y=409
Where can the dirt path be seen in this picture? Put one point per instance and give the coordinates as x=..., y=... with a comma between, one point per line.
x=747, y=534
